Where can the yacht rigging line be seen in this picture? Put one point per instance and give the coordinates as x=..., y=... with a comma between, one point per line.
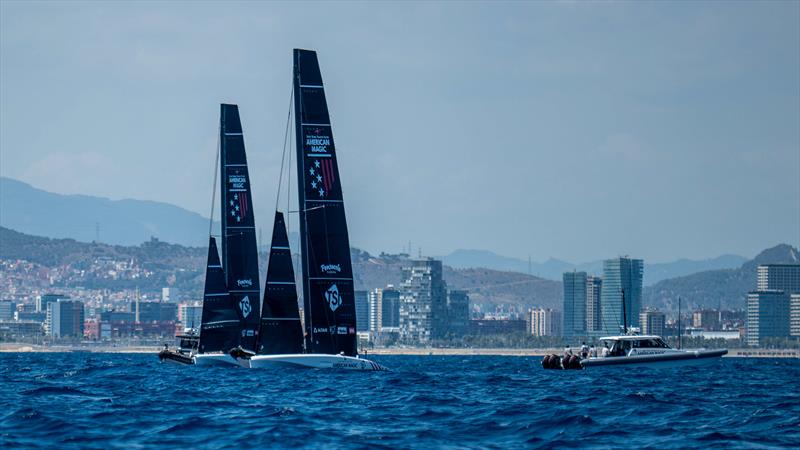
x=214, y=190
x=283, y=155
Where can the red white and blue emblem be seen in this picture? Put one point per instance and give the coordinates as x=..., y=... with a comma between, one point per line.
x=238, y=206
x=321, y=176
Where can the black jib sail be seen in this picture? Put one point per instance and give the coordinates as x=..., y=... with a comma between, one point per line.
x=280, y=320
x=330, y=318
x=239, y=255
x=219, y=331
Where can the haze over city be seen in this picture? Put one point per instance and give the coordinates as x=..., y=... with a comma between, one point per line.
x=546, y=129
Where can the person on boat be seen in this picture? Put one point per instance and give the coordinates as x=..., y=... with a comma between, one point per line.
x=567, y=351
x=584, y=350
x=605, y=352
x=592, y=352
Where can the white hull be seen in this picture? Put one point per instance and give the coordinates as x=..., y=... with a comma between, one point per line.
x=666, y=360
x=312, y=361
x=215, y=359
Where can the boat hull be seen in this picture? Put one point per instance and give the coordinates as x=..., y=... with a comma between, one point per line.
x=312, y=361
x=215, y=359
x=172, y=357
x=676, y=359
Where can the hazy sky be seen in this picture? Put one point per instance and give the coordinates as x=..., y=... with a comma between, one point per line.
x=574, y=130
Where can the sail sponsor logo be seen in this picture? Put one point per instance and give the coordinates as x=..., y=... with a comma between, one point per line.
x=245, y=283
x=244, y=305
x=342, y=330
x=317, y=140
x=333, y=298
x=325, y=330
x=330, y=268
x=237, y=181
x=318, y=144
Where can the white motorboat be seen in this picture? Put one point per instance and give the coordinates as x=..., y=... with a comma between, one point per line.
x=648, y=350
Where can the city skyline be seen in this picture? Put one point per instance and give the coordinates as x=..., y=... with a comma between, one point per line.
x=675, y=139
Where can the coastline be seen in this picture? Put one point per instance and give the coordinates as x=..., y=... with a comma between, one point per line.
x=12, y=347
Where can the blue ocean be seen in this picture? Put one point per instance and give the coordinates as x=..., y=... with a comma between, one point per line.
x=92, y=400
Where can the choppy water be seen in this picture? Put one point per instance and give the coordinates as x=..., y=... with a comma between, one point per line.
x=115, y=400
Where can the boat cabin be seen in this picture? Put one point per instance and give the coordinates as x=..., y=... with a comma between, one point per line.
x=187, y=343
x=635, y=345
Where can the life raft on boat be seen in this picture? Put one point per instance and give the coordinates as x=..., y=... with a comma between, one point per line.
x=570, y=362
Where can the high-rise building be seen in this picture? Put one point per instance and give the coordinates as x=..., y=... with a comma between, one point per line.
x=574, y=303
x=652, y=322
x=7, y=309
x=794, y=315
x=621, y=275
x=156, y=312
x=169, y=294
x=779, y=277
x=46, y=299
x=544, y=322
x=423, y=302
x=190, y=315
x=362, y=310
x=767, y=316
x=390, y=307
x=64, y=319
x=458, y=312
x=593, y=286
x=375, y=309
x=707, y=319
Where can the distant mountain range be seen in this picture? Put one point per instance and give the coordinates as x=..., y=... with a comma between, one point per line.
x=183, y=267
x=122, y=222
x=553, y=269
x=130, y=222
x=180, y=266
x=723, y=288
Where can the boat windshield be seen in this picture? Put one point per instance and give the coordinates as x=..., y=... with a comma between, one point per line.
x=650, y=343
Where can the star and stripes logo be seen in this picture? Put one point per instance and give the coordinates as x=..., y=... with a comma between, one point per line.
x=238, y=206
x=321, y=176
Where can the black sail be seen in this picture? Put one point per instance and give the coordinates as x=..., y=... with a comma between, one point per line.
x=239, y=254
x=220, y=323
x=330, y=319
x=280, y=319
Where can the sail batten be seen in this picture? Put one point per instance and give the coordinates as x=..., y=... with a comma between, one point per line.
x=330, y=321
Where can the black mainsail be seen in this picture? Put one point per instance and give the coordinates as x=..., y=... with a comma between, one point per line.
x=219, y=331
x=239, y=254
x=280, y=331
x=330, y=319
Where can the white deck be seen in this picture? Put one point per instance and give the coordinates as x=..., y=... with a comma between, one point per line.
x=313, y=361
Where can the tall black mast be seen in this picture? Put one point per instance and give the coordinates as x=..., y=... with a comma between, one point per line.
x=624, y=314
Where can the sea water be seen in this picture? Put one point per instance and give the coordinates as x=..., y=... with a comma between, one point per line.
x=92, y=400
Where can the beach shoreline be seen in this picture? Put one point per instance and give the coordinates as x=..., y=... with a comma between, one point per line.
x=405, y=351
